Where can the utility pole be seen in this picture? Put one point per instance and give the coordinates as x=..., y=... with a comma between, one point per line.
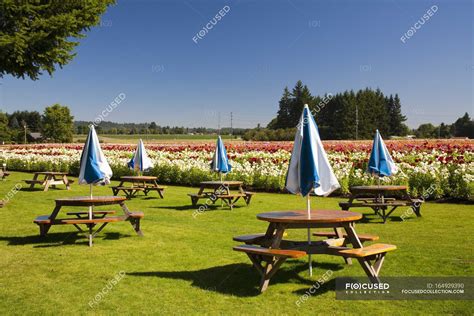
x=231, y=124
x=219, y=123
x=24, y=126
x=357, y=121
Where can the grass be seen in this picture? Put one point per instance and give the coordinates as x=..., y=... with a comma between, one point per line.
x=127, y=139
x=185, y=265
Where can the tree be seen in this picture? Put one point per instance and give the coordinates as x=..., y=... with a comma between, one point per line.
x=427, y=130
x=4, y=130
x=396, y=118
x=464, y=127
x=58, y=124
x=283, y=117
x=37, y=36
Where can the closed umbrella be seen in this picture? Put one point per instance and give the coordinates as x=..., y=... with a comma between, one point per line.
x=220, y=163
x=140, y=161
x=94, y=168
x=309, y=169
x=380, y=162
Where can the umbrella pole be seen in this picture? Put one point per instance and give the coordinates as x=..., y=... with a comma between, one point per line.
x=308, y=206
x=90, y=217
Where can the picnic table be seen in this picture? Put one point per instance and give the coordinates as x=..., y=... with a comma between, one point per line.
x=50, y=179
x=143, y=184
x=100, y=217
x=269, y=250
x=4, y=174
x=383, y=199
x=228, y=191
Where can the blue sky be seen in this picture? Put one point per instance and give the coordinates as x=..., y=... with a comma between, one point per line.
x=145, y=49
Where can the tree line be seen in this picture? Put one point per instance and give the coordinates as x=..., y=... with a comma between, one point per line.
x=351, y=115
x=56, y=124
x=113, y=128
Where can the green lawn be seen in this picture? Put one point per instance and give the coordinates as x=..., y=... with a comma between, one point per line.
x=186, y=265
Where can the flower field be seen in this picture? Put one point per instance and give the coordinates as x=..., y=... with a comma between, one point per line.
x=445, y=166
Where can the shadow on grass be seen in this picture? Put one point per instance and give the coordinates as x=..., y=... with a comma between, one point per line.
x=57, y=239
x=196, y=208
x=239, y=279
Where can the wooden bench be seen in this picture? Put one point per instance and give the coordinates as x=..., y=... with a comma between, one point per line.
x=248, y=196
x=34, y=181
x=365, y=255
x=44, y=222
x=159, y=189
x=380, y=208
x=250, y=239
x=229, y=199
x=362, y=237
x=267, y=261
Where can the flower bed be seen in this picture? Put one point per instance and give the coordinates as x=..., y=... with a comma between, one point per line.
x=445, y=165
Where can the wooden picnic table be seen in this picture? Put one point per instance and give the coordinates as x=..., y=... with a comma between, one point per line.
x=269, y=250
x=143, y=184
x=383, y=199
x=82, y=217
x=228, y=191
x=50, y=178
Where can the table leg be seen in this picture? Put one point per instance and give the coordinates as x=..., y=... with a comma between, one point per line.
x=352, y=235
x=339, y=234
x=47, y=183
x=66, y=182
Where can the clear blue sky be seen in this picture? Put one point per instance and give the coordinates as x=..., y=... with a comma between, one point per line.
x=145, y=50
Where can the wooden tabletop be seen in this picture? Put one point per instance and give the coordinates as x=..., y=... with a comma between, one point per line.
x=88, y=201
x=378, y=188
x=317, y=216
x=138, y=178
x=228, y=183
x=51, y=173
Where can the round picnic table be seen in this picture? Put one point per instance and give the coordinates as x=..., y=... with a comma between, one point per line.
x=377, y=189
x=316, y=217
x=90, y=201
x=138, y=178
x=138, y=183
x=271, y=250
x=83, y=217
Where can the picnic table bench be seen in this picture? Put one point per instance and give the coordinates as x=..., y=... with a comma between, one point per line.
x=4, y=174
x=143, y=184
x=221, y=190
x=268, y=251
x=50, y=179
x=380, y=198
x=99, y=217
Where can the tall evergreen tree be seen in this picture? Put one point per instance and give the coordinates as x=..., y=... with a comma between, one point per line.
x=283, y=116
x=396, y=118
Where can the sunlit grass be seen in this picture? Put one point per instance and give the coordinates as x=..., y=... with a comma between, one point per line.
x=186, y=265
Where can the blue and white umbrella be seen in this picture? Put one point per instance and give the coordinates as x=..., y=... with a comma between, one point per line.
x=220, y=163
x=309, y=169
x=140, y=161
x=380, y=162
x=94, y=168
